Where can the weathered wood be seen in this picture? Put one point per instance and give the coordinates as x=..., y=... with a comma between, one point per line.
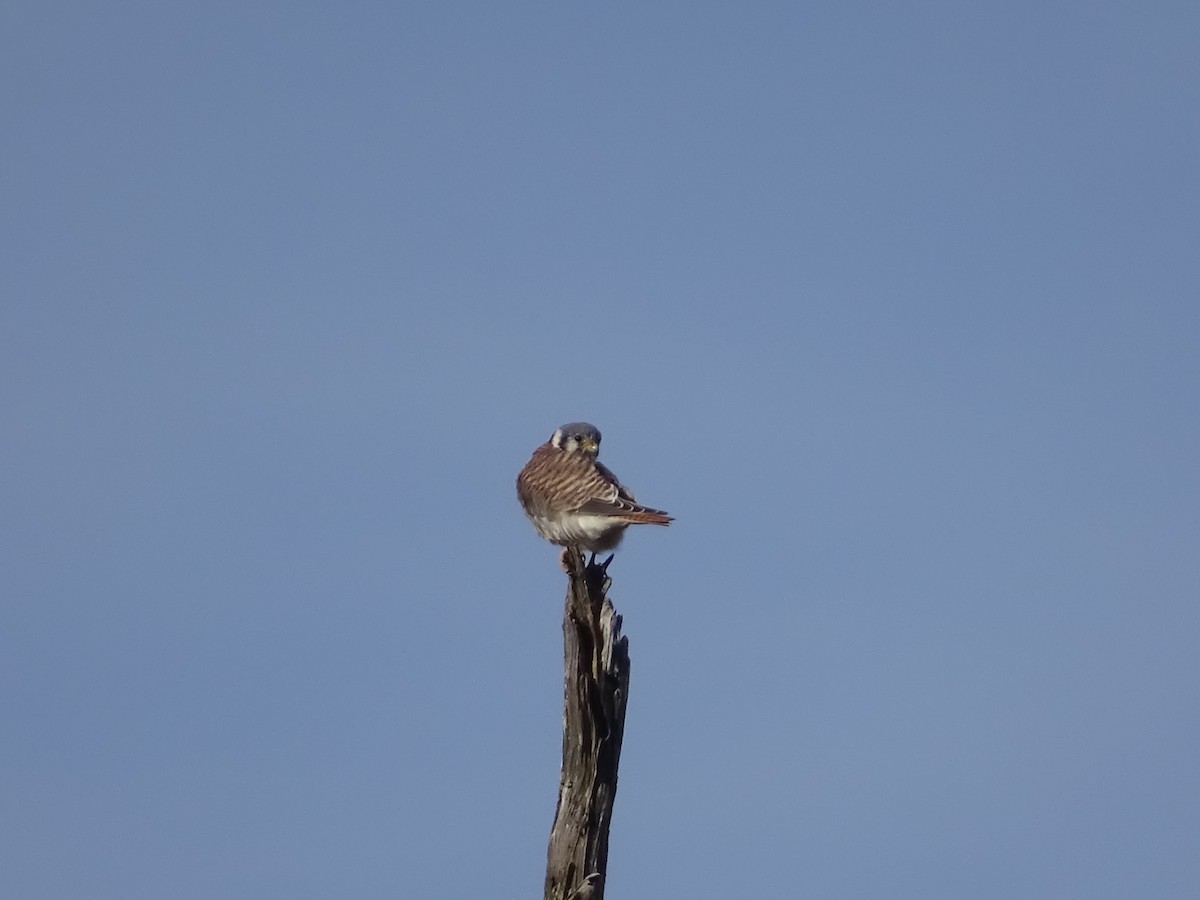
x=596, y=657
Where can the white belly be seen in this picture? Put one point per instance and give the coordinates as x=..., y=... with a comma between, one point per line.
x=596, y=533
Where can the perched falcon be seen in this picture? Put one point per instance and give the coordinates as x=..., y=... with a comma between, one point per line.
x=572, y=499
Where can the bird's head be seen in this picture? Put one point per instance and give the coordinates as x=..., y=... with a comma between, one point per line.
x=577, y=437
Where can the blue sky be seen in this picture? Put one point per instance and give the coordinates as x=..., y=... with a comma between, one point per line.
x=896, y=307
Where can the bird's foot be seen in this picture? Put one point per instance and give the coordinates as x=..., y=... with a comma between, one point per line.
x=603, y=567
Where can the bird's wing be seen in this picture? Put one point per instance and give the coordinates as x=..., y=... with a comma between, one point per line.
x=556, y=482
x=614, y=499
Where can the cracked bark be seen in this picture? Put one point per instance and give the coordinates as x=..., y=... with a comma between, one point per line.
x=596, y=662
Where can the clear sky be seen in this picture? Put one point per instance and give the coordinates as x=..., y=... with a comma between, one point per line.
x=895, y=306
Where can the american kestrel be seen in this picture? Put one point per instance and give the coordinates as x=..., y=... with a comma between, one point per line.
x=572, y=499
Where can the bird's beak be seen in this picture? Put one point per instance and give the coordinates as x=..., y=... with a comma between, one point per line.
x=590, y=446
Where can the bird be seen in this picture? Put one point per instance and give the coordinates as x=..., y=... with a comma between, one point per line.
x=573, y=500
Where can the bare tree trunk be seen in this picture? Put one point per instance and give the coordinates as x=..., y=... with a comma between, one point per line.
x=596, y=655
